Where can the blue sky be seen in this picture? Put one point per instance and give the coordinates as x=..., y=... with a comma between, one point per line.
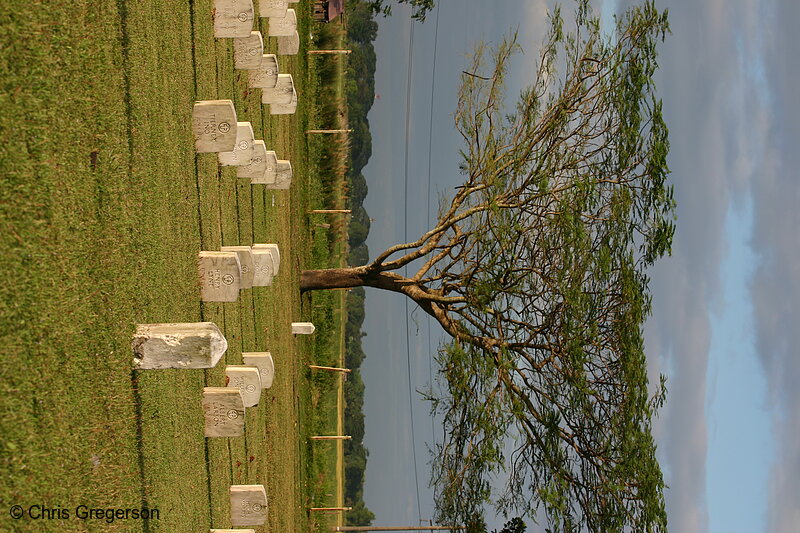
x=724, y=326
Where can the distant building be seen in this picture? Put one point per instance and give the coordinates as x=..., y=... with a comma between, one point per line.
x=327, y=10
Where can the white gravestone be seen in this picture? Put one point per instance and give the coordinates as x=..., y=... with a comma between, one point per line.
x=289, y=45
x=248, y=380
x=223, y=410
x=283, y=26
x=266, y=75
x=276, y=255
x=264, y=363
x=233, y=18
x=248, y=51
x=270, y=170
x=214, y=126
x=220, y=276
x=302, y=328
x=285, y=109
x=283, y=176
x=282, y=92
x=242, y=152
x=273, y=8
x=263, y=267
x=245, y=262
x=184, y=345
x=258, y=164
x=248, y=505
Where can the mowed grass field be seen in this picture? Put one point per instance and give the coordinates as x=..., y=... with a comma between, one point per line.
x=103, y=207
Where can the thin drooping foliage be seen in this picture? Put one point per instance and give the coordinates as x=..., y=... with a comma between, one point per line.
x=536, y=268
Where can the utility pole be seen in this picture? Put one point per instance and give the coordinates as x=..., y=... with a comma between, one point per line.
x=328, y=131
x=395, y=528
x=329, y=51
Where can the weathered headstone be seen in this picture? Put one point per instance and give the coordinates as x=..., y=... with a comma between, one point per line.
x=283, y=26
x=214, y=126
x=220, y=276
x=242, y=152
x=248, y=505
x=177, y=345
x=248, y=51
x=282, y=92
x=285, y=109
x=263, y=267
x=263, y=361
x=273, y=8
x=302, y=328
x=223, y=410
x=245, y=262
x=270, y=170
x=233, y=18
x=258, y=164
x=283, y=176
x=276, y=255
x=248, y=380
x=289, y=45
x=264, y=76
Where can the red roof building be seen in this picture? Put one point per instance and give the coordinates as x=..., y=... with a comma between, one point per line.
x=327, y=10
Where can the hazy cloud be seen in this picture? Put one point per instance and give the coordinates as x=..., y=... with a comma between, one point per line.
x=776, y=286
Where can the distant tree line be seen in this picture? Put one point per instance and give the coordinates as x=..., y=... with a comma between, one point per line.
x=360, y=94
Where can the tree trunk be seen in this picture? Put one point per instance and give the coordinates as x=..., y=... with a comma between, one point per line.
x=342, y=278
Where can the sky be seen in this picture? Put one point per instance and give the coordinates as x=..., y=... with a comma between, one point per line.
x=725, y=304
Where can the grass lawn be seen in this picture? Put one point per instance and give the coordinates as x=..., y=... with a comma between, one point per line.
x=103, y=208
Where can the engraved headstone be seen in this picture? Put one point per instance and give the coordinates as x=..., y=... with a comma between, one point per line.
x=276, y=255
x=245, y=262
x=214, y=126
x=285, y=109
x=282, y=92
x=258, y=164
x=177, y=345
x=264, y=76
x=273, y=8
x=223, y=410
x=263, y=361
x=270, y=170
x=220, y=276
x=248, y=51
x=248, y=380
x=233, y=18
x=263, y=267
x=242, y=152
x=289, y=45
x=302, y=328
x=248, y=505
x=283, y=26
x=283, y=176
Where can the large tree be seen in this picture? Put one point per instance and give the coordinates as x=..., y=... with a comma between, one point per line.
x=536, y=268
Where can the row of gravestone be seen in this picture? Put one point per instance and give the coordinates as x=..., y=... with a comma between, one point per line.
x=223, y=274
x=197, y=345
x=201, y=345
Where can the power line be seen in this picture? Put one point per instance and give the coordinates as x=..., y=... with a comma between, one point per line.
x=428, y=197
x=405, y=268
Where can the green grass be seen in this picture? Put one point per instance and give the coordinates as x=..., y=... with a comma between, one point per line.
x=103, y=208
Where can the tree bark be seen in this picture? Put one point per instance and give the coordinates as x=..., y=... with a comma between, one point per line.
x=363, y=276
x=342, y=278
